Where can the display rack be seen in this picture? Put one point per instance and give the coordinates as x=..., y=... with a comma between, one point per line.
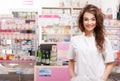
x=113, y=33
x=17, y=39
x=18, y=45
x=59, y=24
x=113, y=28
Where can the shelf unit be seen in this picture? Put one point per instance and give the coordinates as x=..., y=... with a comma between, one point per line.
x=18, y=45
x=113, y=28
x=113, y=32
x=59, y=24
x=17, y=40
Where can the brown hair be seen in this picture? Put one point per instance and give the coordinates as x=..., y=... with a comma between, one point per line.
x=99, y=29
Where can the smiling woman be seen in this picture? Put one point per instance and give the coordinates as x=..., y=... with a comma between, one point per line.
x=91, y=53
x=92, y=18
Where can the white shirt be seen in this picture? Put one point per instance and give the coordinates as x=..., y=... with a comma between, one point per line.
x=90, y=64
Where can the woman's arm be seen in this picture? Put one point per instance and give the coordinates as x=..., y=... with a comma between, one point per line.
x=71, y=67
x=109, y=67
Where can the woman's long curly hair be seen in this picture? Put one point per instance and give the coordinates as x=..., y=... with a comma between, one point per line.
x=99, y=30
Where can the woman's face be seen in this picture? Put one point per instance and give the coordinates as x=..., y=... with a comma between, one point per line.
x=89, y=22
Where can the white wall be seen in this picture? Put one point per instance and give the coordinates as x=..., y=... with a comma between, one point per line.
x=7, y=5
x=49, y=3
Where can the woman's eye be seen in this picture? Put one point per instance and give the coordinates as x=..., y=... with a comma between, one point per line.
x=93, y=19
x=85, y=19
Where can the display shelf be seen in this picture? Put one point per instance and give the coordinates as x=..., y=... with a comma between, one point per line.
x=113, y=32
x=18, y=44
x=63, y=24
x=16, y=36
x=56, y=7
x=57, y=26
x=26, y=19
x=17, y=61
x=24, y=14
x=56, y=30
x=55, y=34
x=76, y=8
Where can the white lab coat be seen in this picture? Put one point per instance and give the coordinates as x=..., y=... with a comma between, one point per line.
x=90, y=64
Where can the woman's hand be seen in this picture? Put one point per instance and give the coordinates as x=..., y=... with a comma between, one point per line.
x=108, y=70
x=104, y=79
x=72, y=75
